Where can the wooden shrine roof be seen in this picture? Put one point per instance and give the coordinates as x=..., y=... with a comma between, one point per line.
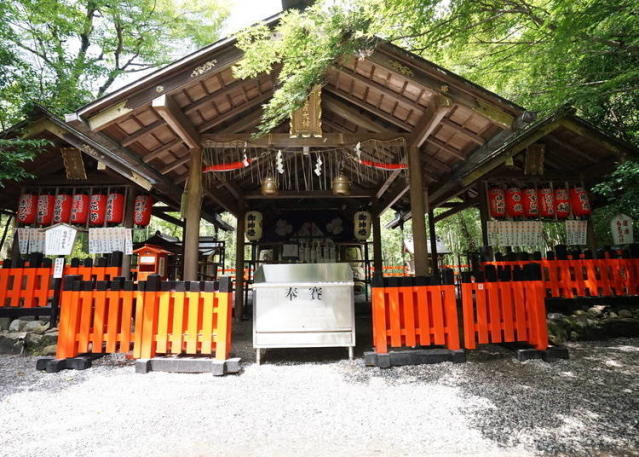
x=458, y=126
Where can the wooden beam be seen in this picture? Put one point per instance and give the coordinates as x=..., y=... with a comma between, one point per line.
x=171, y=81
x=239, y=268
x=168, y=110
x=283, y=140
x=306, y=195
x=233, y=112
x=390, y=180
x=244, y=122
x=176, y=163
x=168, y=218
x=444, y=147
x=222, y=91
x=377, y=246
x=455, y=209
x=109, y=116
x=144, y=131
x=370, y=108
x=161, y=150
x=380, y=87
x=432, y=236
x=398, y=67
x=351, y=114
x=430, y=120
x=570, y=148
x=593, y=136
x=392, y=196
x=464, y=131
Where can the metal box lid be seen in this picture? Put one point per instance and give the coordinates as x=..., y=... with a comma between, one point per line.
x=304, y=272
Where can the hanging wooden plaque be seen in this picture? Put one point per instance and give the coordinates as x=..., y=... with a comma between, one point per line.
x=73, y=163
x=534, y=160
x=307, y=120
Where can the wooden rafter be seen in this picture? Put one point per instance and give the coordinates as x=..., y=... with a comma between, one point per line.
x=571, y=148
x=144, y=131
x=233, y=112
x=158, y=152
x=464, y=131
x=412, y=104
x=370, y=108
x=221, y=92
x=168, y=110
x=176, y=163
x=445, y=147
x=352, y=114
x=285, y=141
x=405, y=70
x=430, y=120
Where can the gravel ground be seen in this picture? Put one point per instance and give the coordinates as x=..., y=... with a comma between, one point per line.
x=315, y=403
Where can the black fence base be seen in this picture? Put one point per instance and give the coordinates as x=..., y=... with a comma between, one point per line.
x=51, y=365
x=188, y=365
x=569, y=305
x=413, y=357
x=524, y=352
x=16, y=311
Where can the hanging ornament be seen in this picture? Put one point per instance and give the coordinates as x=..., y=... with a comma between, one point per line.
x=269, y=186
x=341, y=185
x=279, y=162
x=142, y=209
x=358, y=150
x=80, y=209
x=229, y=166
x=383, y=166
x=318, y=166
x=115, y=208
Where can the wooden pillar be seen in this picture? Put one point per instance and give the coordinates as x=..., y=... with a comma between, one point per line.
x=377, y=245
x=192, y=216
x=128, y=224
x=483, y=213
x=433, y=242
x=418, y=211
x=590, y=235
x=239, y=267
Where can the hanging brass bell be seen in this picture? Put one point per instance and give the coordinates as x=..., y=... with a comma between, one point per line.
x=341, y=185
x=269, y=186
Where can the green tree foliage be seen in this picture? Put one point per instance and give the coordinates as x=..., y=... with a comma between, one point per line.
x=63, y=53
x=12, y=155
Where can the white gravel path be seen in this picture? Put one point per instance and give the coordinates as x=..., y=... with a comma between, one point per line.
x=491, y=406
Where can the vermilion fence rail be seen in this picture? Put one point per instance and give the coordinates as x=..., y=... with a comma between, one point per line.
x=144, y=319
x=26, y=285
x=409, y=312
x=581, y=277
x=505, y=311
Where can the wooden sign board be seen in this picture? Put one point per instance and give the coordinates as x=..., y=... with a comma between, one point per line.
x=307, y=120
x=621, y=227
x=73, y=164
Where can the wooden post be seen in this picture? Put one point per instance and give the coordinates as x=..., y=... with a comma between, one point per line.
x=128, y=224
x=377, y=245
x=192, y=216
x=417, y=208
x=433, y=242
x=239, y=267
x=590, y=235
x=483, y=214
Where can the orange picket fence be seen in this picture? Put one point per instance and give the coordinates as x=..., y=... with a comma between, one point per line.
x=505, y=311
x=581, y=277
x=144, y=319
x=105, y=269
x=26, y=284
x=408, y=312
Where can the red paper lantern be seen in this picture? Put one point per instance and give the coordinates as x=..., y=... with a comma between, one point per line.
x=79, y=209
x=579, y=201
x=497, y=202
x=62, y=208
x=27, y=209
x=562, y=203
x=514, y=205
x=142, y=210
x=45, y=209
x=115, y=208
x=546, y=201
x=97, y=209
x=530, y=202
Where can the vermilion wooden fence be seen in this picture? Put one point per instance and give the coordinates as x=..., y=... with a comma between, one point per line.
x=26, y=285
x=582, y=277
x=504, y=312
x=145, y=319
x=408, y=312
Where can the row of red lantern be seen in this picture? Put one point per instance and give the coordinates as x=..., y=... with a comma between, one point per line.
x=97, y=209
x=534, y=203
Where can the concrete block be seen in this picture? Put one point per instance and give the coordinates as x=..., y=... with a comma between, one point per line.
x=218, y=367
x=142, y=366
x=233, y=365
x=4, y=323
x=554, y=353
